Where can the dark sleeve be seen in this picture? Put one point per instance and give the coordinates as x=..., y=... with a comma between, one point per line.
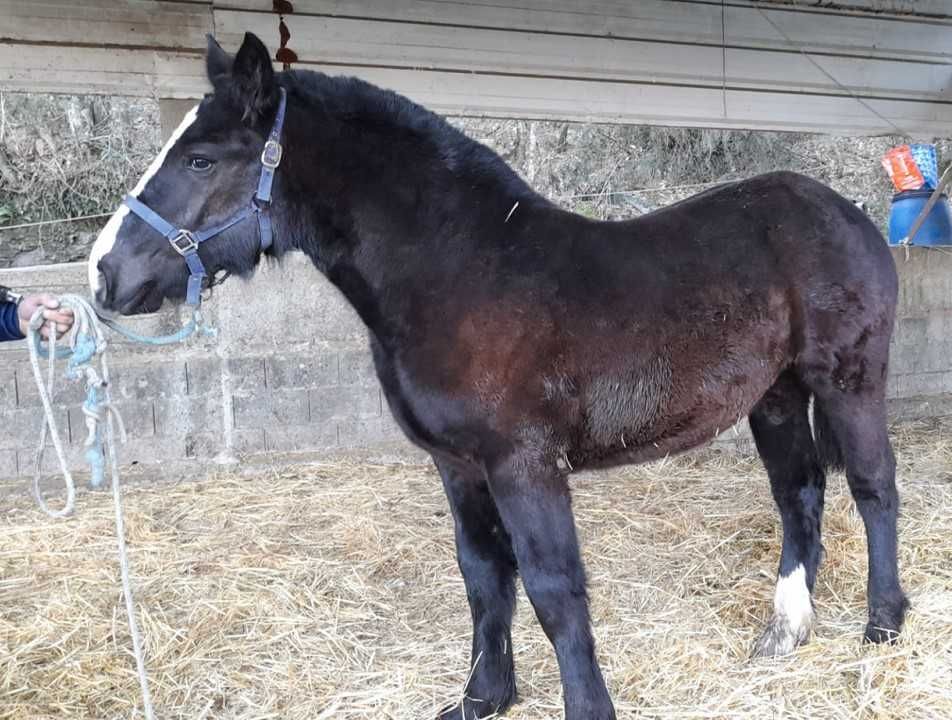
x=9, y=325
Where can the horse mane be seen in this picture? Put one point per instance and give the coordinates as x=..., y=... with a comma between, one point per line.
x=350, y=98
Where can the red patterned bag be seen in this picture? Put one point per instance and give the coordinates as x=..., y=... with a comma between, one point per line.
x=902, y=169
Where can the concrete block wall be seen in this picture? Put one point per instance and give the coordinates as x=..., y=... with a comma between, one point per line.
x=289, y=375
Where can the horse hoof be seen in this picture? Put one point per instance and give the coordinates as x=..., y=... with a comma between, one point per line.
x=473, y=710
x=880, y=635
x=885, y=621
x=781, y=637
x=599, y=711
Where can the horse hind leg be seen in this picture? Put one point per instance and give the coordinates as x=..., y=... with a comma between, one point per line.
x=858, y=425
x=850, y=415
x=781, y=430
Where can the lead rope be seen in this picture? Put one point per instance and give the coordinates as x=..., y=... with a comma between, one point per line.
x=86, y=342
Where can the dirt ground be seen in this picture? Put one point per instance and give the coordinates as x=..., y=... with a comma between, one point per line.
x=331, y=591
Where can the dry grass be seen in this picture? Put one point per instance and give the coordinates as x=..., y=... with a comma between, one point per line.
x=65, y=156
x=331, y=591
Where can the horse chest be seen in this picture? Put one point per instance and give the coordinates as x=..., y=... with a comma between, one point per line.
x=430, y=416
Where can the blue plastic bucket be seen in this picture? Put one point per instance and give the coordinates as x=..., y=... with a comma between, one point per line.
x=936, y=230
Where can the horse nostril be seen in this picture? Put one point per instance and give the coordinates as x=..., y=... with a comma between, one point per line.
x=102, y=289
x=105, y=287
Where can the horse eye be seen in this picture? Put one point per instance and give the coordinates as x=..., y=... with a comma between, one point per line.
x=199, y=164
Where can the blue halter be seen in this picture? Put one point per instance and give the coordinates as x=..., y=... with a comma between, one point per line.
x=186, y=242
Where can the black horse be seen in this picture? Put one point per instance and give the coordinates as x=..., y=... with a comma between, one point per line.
x=516, y=341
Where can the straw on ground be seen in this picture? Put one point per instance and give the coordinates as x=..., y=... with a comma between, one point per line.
x=330, y=591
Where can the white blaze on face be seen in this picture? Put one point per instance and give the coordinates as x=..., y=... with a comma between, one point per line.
x=107, y=236
x=792, y=602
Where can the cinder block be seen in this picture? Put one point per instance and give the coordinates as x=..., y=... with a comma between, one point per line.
x=268, y=409
x=912, y=330
x=75, y=461
x=902, y=359
x=298, y=439
x=929, y=290
x=8, y=390
x=936, y=383
x=189, y=414
x=357, y=368
x=66, y=392
x=917, y=408
x=8, y=464
x=344, y=402
x=302, y=370
x=137, y=416
x=936, y=290
x=208, y=445
x=291, y=300
x=204, y=445
x=137, y=451
x=247, y=374
x=933, y=356
x=151, y=451
x=938, y=326
x=148, y=381
x=390, y=427
x=21, y=427
x=893, y=386
x=203, y=375
x=365, y=432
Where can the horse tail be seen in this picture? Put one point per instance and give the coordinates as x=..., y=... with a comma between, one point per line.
x=828, y=447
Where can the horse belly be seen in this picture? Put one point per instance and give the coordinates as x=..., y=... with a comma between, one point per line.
x=678, y=399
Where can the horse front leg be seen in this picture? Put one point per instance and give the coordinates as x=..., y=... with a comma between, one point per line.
x=485, y=558
x=535, y=504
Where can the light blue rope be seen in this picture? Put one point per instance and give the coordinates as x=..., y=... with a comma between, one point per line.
x=95, y=455
x=196, y=324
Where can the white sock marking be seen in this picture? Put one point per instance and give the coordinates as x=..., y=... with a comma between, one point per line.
x=107, y=236
x=792, y=601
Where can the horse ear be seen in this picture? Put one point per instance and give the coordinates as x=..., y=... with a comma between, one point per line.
x=218, y=63
x=254, y=76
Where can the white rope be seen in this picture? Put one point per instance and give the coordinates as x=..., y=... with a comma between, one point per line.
x=87, y=342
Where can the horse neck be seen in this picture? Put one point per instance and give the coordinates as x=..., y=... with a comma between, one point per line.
x=396, y=231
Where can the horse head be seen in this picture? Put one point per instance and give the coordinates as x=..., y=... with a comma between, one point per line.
x=206, y=179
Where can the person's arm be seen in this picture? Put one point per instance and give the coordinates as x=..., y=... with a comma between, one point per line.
x=9, y=322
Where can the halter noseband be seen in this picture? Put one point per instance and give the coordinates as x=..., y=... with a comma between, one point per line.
x=186, y=242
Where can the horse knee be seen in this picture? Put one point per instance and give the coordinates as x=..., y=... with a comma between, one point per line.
x=873, y=485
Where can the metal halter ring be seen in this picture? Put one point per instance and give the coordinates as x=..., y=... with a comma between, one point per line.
x=184, y=243
x=271, y=155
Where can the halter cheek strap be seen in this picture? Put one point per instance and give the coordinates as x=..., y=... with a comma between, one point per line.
x=186, y=242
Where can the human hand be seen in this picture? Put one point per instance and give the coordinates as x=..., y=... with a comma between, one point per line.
x=52, y=314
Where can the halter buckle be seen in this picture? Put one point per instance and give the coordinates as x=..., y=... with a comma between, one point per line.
x=184, y=243
x=271, y=155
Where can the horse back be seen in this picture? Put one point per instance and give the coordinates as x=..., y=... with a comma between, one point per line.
x=625, y=341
